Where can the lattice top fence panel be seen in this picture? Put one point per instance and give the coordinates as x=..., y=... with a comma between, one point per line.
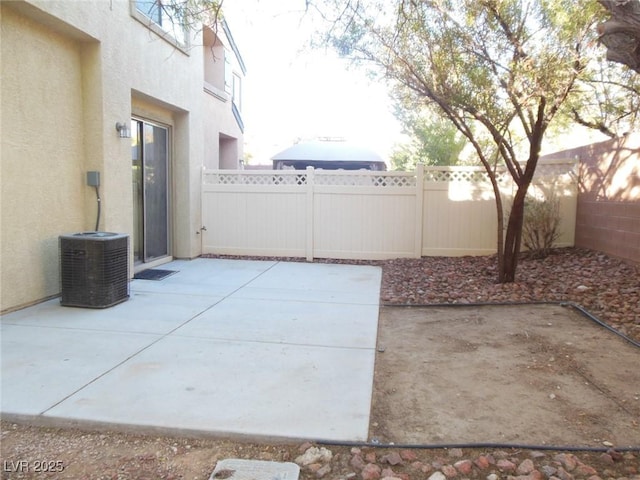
x=232, y=177
x=455, y=175
x=288, y=177
x=365, y=179
x=548, y=170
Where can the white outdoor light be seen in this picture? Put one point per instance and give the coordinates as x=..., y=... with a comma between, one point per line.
x=123, y=130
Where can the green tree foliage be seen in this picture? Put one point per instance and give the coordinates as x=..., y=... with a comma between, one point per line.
x=432, y=140
x=498, y=70
x=606, y=98
x=179, y=17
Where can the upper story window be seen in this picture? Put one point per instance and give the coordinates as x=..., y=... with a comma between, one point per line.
x=223, y=66
x=165, y=17
x=151, y=8
x=236, y=90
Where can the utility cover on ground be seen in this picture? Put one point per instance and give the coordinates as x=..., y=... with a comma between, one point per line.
x=237, y=469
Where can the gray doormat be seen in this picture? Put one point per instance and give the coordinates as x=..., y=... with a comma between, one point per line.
x=154, y=274
x=237, y=469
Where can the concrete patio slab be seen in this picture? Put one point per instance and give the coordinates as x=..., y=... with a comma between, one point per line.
x=215, y=277
x=42, y=366
x=302, y=323
x=245, y=388
x=257, y=348
x=144, y=312
x=334, y=283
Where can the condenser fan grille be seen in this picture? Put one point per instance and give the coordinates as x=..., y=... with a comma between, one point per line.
x=94, y=269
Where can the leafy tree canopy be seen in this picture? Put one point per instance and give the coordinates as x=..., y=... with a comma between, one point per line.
x=499, y=70
x=432, y=139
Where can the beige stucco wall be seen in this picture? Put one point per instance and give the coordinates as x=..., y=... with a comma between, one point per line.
x=42, y=154
x=70, y=71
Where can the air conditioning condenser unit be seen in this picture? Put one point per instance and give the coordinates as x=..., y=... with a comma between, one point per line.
x=94, y=269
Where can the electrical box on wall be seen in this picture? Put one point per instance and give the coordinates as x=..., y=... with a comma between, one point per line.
x=93, y=179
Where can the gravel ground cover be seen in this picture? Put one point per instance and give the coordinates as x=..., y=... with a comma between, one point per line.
x=606, y=287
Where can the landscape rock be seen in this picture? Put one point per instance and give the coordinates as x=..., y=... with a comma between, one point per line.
x=606, y=458
x=449, y=471
x=371, y=471
x=568, y=274
x=357, y=462
x=534, y=475
x=314, y=455
x=526, y=467
x=408, y=455
x=583, y=470
x=387, y=472
x=323, y=471
x=464, y=466
x=562, y=474
x=455, y=452
x=536, y=455
x=421, y=467
x=506, y=465
x=392, y=458
x=437, y=476
x=482, y=462
x=304, y=447
x=567, y=460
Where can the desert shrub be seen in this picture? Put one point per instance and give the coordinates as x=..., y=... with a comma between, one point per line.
x=541, y=224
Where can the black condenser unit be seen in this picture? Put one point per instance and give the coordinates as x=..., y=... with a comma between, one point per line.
x=94, y=269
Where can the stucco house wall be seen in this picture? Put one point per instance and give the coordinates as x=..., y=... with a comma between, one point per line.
x=70, y=71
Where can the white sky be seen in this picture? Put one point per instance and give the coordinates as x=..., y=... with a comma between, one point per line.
x=291, y=91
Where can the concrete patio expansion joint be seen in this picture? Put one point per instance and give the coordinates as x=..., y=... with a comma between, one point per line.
x=292, y=344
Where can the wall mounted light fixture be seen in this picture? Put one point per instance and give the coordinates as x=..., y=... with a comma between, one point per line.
x=123, y=130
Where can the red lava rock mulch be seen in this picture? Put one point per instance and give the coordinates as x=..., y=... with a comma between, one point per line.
x=606, y=287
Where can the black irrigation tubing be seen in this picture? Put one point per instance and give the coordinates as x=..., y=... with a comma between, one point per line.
x=573, y=305
x=492, y=445
x=478, y=445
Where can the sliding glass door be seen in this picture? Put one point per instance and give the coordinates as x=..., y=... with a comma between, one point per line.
x=150, y=165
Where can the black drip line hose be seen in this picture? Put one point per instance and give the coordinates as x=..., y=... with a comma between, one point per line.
x=480, y=445
x=492, y=445
x=99, y=205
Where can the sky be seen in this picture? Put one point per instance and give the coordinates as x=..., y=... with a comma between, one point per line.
x=292, y=92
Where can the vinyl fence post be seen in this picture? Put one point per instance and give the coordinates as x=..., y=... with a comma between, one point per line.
x=419, y=220
x=310, y=214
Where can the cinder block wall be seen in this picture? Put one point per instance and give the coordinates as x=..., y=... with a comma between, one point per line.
x=608, y=211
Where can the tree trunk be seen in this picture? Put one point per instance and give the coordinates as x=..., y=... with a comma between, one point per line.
x=621, y=33
x=513, y=237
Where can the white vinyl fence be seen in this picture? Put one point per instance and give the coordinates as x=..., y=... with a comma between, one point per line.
x=433, y=211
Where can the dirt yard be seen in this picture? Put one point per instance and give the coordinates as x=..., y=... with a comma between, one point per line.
x=529, y=374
